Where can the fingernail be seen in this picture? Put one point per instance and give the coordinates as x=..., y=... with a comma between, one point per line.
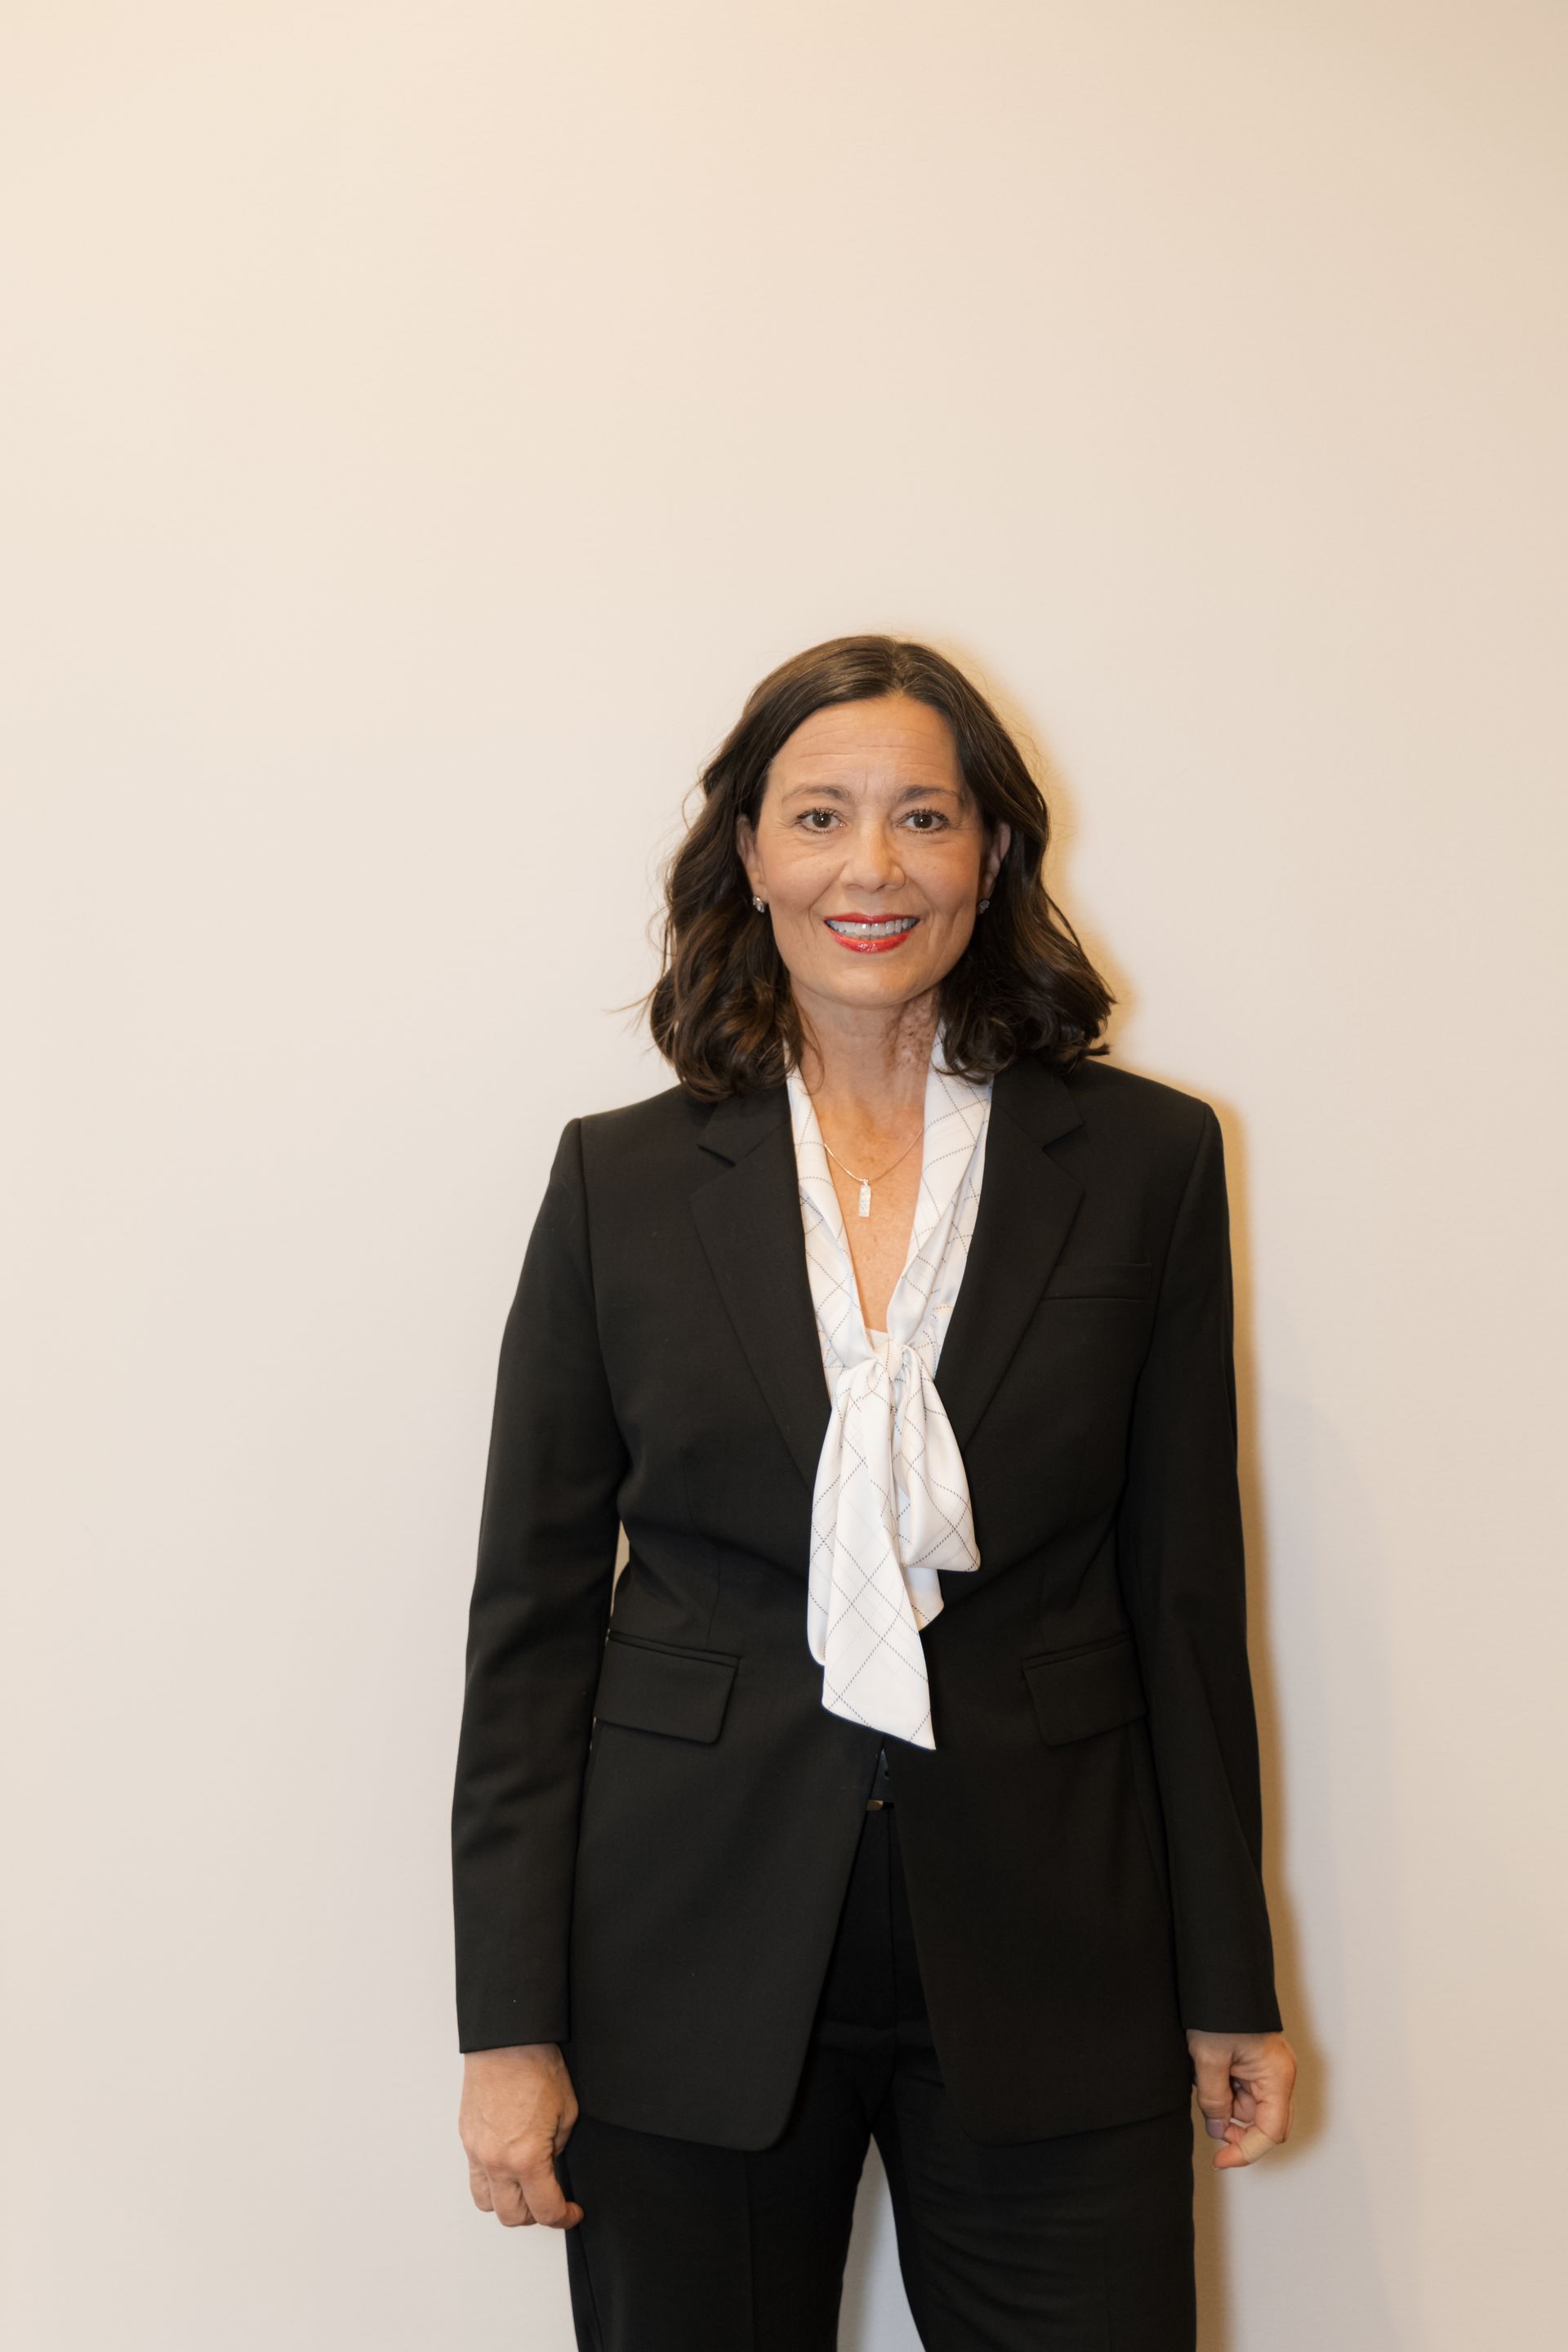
x=1216, y=2126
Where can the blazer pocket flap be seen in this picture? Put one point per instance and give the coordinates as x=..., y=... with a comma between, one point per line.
x=1078, y=1692
x=1100, y=1277
x=681, y=1691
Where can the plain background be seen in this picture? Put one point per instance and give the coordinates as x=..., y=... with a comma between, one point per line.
x=424, y=424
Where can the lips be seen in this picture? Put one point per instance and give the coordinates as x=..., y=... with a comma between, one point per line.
x=871, y=934
x=871, y=927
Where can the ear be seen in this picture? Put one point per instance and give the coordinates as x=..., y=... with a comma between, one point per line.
x=746, y=850
x=998, y=852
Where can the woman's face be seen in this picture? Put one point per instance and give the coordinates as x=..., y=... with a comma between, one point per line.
x=866, y=821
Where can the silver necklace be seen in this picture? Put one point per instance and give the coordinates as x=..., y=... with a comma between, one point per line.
x=866, y=1183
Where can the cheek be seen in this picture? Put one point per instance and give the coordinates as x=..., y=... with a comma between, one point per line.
x=951, y=880
x=799, y=873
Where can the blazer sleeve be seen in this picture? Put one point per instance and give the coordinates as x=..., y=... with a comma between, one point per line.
x=1180, y=1557
x=547, y=1530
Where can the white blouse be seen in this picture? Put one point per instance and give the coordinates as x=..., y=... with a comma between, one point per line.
x=891, y=1506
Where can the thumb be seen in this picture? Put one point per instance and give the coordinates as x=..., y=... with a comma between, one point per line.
x=1211, y=2070
x=547, y=2201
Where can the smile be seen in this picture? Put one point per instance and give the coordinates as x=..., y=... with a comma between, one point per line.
x=868, y=932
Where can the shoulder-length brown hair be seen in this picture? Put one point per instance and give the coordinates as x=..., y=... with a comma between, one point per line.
x=722, y=1012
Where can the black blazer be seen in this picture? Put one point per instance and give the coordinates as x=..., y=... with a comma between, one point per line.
x=655, y=1816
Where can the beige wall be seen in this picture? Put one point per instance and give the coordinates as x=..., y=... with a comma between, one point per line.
x=425, y=423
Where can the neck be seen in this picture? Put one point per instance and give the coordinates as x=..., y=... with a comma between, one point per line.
x=866, y=1072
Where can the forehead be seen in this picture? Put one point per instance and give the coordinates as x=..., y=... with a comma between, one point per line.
x=890, y=738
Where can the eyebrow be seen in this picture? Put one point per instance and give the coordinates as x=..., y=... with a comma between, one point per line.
x=842, y=793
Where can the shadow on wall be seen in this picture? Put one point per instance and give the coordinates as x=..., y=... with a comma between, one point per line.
x=1330, y=1543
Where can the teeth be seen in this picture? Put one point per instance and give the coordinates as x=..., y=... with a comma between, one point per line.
x=874, y=931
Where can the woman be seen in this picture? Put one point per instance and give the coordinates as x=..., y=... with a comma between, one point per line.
x=911, y=1791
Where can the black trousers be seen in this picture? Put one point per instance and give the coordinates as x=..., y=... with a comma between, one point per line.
x=1080, y=2243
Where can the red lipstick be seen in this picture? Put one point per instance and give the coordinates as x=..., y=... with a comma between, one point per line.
x=869, y=937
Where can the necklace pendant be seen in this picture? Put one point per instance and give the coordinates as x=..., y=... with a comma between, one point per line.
x=865, y=1200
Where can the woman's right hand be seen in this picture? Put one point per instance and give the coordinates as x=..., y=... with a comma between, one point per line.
x=517, y=2114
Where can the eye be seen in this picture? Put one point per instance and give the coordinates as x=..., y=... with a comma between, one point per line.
x=926, y=820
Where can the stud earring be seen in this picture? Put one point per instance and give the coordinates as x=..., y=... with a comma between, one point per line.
x=760, y=904
x=983, y=904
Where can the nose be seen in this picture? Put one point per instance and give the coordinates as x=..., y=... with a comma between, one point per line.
x=871, y=860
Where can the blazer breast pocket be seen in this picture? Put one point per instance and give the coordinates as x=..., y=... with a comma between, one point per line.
x=1101, y=1277
x=653, y=1686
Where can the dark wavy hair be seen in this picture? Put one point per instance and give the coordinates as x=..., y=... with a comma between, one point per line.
x=722, y=1012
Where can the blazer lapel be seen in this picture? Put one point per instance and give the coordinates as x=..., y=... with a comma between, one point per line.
x=750, y=1223
x=1027, y=1202
x=749, y=1220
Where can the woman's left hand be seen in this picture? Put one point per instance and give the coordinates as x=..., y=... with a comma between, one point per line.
x=1247, y=2089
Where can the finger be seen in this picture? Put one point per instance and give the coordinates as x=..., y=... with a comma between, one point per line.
x=479, y=2187
x=1246, y=2149
x=547, y=2199
x=1272, y=2111
x=511, y=2203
